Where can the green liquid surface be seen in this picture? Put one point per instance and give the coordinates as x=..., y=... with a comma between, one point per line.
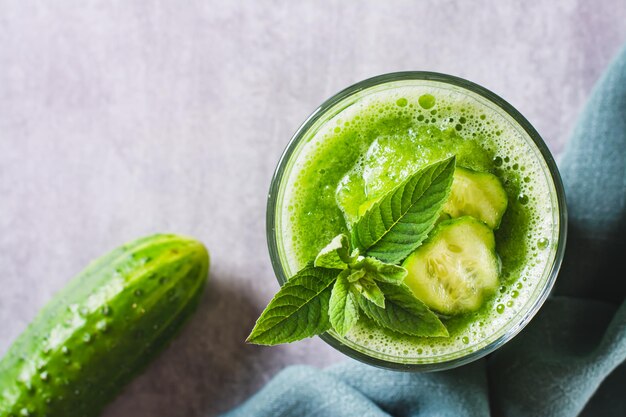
x=361, y=150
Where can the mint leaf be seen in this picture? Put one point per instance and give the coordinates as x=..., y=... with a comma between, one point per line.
x=298, y=310
x=368, y=289
x=343, y=310
x=398, y=223
x=403, y=313
x=380, y=271
x=356, y=275
x=336, y=254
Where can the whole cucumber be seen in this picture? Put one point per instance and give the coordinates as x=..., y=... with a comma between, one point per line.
x=102, y=328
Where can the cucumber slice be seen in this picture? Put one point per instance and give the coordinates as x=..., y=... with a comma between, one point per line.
x=477, y=194
x=456, y=268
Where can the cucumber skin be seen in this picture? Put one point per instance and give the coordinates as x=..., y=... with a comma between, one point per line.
x=103, y=328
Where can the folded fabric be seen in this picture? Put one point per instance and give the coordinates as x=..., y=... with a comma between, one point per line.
x=569, y=360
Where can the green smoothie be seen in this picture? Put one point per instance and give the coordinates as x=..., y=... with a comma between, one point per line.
x=369, y=142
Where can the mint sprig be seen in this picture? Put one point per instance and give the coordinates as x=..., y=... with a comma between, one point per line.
x=340, y=283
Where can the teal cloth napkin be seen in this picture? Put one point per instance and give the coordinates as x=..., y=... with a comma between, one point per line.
x=569, y=360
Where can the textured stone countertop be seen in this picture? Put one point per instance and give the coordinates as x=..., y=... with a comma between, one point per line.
x=123, y=118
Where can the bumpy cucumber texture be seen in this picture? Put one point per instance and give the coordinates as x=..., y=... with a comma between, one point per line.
x=477, y=194
x=456, y=267
x=99, y=331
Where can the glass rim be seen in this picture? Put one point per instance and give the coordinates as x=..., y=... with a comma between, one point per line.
x=501, y=104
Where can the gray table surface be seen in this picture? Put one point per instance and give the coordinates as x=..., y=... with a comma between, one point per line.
x=123, y=118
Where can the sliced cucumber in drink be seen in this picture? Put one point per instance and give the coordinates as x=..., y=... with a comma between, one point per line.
x=456, y=268
x=477, y=194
